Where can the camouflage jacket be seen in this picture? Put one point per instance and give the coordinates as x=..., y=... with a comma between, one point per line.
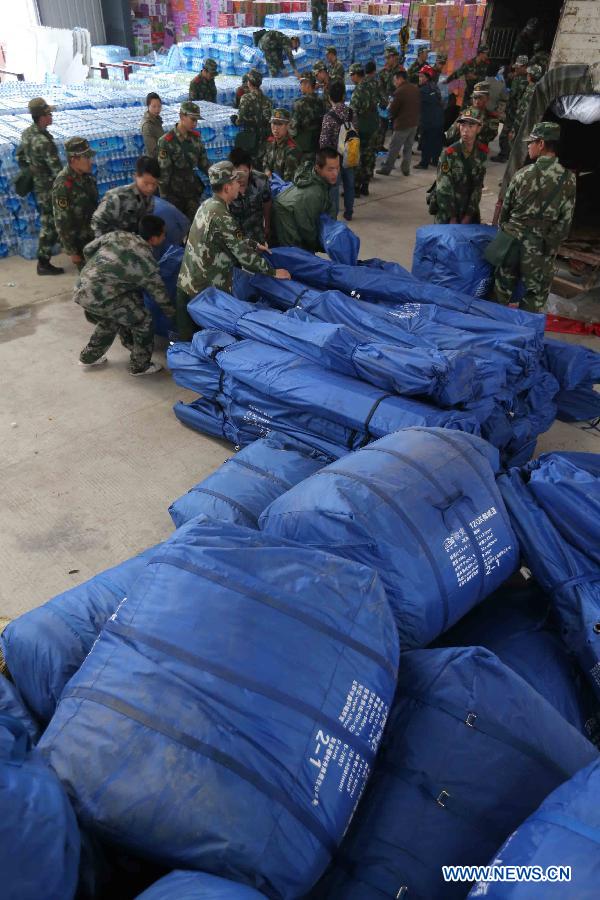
x=336, y=71
x=119, y=264
x=177, y=158
x=523, y=106
x=254, y=114
x=276, y=44
x=281, y=158
x=413, y=72
x=373, y=82
x=517, y=87
x=248, y=209
x=203, y=89
x=152, y=131
x=525, y=211
x=386, y=84
x=364, y=104
x=540, y=58
x=459, y=183
x=306, y=122
x=74, y=200
x=489, y=129
x=38, y=152
x=121, y=209
x=471, y=71
x=215, y=245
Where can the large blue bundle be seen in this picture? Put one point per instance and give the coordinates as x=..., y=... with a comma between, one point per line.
x=564, y=831
x=39, y=838
x=245, y=484
x=517, y=624
x=470, y=751
x=13, y=705
x=580, y=405
x=577, y=370
x=169, y=266
x=564, y=561
x=207, y=416
x=187, y=361
x=452, y=256
x=421, y=506
x=182, y=885
x=44, y=647
x=278, y=664
x=338, y=240
x=447, y=377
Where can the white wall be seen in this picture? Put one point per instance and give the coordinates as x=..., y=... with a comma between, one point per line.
x=578, y=36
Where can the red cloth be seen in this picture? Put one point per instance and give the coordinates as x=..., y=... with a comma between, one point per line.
x=571, y=326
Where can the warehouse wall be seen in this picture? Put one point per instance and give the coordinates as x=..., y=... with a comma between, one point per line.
x=73, y=13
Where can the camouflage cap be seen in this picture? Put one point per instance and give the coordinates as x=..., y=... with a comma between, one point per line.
x=211, y=65
x=189, y=108
x=471, y=116
x=223, y=173
x=482, y=88
x=308, y=76
x=522, y=60
x=281, y=115
x=319, y=66
x=391, y=51
x=544, y=131
x=441, y=58
x=356, y=69
x=536, y=72
x=38, y=107
x=78, y=146
x=331, y=49
x=255, y=77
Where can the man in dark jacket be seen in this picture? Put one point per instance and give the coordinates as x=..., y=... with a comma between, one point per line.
x=432, y=118
x=404, y=112
x=296, y=210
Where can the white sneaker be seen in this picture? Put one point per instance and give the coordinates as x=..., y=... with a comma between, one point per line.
x=152, y=369
x=98, y=362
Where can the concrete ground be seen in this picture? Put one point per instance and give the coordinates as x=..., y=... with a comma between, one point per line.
x=90, y=460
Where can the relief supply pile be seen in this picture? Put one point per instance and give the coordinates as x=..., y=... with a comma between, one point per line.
x=257, y=704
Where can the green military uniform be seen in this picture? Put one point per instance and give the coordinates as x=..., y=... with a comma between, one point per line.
x=274, y=44
x=215, y=246
x=460, y=177
x=538, y=209
x=248, y=209
x=322, y=86
x=202, y=88
x=490, y=121
x=335, y=70
x=536, y=73
x=472, y=71
x=281, y=157
x=119, y=266
x=309, y=110
x=37, y=153
x=414, y=69
x=254, y=119
x=178, y=156
x=517, y=87
x=540, y=58
x=386, y=88
x=152, y=131
x=121, y=209
x=296, y=211
x=366, y=119
x=318, y=9
x=74, y=200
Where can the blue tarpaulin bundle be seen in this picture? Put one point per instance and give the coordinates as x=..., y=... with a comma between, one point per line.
x=187, y=361
x=12, y=704
x=577, y=370
x=233, y=730
x=563, y=832
x=421, y=506
x=181, y=885
x=470, y=751
x=39, y=837
x=245, y=484
x=452, y=256
x=169, y=266
x=554, y=506
x=44, y=647
x=338, y=240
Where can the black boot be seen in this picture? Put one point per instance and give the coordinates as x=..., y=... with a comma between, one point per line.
x=365, y=190
x=45, y=267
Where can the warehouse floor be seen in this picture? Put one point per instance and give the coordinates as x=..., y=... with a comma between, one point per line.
x=90, y=460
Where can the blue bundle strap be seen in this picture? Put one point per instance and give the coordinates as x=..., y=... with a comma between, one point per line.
x=233, y=503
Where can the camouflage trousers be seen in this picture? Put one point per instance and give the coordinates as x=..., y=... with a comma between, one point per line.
x=48, y=234
x=186, y=327
x=536, y=269
x=187, y=204
x=366, y=166
x=128, y=318
x=318, y=10
x=274, y=61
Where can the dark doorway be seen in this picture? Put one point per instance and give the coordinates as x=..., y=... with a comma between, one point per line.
x=506, y=18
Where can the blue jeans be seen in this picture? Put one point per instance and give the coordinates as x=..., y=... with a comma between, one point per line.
x=346, y=176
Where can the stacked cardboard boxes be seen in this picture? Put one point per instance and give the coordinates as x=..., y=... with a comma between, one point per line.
x=454, y=28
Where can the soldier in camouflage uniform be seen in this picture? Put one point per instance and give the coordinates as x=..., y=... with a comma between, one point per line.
x=538, y=210
x=323, y=82
x=37, y=154
x=215, y=246
x=74, y=199
x=203, y=86
x=318, y=10
x=534, y=73
x=414, y=69
x=386, y=89
x=366, y=119
x=274, y=44
x=474, y=70
x=490, y=121
x=282, y=156
x=540, y=57
x=440, y=61
x=517, y=86
x=239, y=93
x=254, y=119
x=180, y=152
x=334, y=67
x=307, y=118
x=252, y=207
x=460, y=175
x=122, y=208
x=118, y=267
